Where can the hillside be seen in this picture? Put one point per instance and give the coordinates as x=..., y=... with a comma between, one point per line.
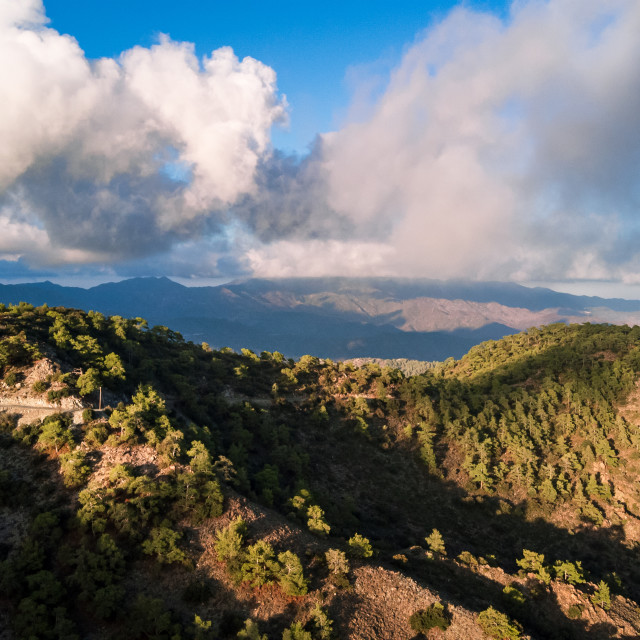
x=339, y=318
x=156, y=488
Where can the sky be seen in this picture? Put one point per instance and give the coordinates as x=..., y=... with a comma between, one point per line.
x=205, y=142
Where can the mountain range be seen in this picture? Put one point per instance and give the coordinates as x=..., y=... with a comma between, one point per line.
x=337, y=318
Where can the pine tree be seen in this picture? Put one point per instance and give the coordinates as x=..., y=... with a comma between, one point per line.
x=602, y=597
x=290, y=574
x=259, y=566
x=436, y=543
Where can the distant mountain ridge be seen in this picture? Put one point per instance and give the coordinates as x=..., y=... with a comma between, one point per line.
x=336, y=317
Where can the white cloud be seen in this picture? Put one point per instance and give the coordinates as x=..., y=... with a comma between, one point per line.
x=219, y=117
x=97, y=136
x=289, y=259
x=499, y=149
x=491, y=135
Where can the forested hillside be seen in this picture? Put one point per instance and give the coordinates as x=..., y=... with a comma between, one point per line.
x=156, y=488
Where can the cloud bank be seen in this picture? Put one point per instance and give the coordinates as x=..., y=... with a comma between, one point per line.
x=503, y=149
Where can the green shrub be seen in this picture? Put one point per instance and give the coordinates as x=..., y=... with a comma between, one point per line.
x=54, y=396
x=338, y=566
x=296, y=632
x=40, y=386
x=360, y=546
x=498, y=625
x=466, y=557
x=203, y=629
x=575, y=612
x=569, y=572
x=75, y=469
x=433, y=617
x=97, y=435
x=336, y=561
x=322, y=622
x=533, y=562
x=513, y=597
x=290, y=575
x=259, y=566
x=163, y=543
x=316, y=521
x=251, y=631
x=149, y=618
x=55, y=433
x=435, y=541
x=591, y=513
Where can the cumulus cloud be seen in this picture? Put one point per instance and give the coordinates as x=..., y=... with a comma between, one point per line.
x=121, y=157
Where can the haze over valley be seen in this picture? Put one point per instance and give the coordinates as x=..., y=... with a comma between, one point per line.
x=336, y=317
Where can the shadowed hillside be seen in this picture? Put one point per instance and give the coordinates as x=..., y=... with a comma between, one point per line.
x=169, y=490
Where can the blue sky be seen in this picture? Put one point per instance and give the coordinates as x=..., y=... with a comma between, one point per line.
x=314, y=47
x=206, y=141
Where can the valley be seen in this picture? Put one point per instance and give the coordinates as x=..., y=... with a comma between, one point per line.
x=338, y=318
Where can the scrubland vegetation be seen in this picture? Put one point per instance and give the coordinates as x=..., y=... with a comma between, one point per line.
x=192, y=488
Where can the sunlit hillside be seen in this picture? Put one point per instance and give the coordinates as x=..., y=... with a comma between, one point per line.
x=151, y=487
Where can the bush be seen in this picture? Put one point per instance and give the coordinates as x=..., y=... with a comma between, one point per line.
x=338, y=566
x=296, y=632
x=591, y=513
x=55, y=433
x=466, y=557
x=569, y=572
x=203, y=629
x=260, y=566
x=230, y=546
x=8, y=422
x=96, y=435
x=436, y=543
x=360, y=546
x=498, y=625
x=150, y=618
x=54, y=396
x=574, y=612
x=433, y=617
x=290, y=575
x=513, y=597
x=39, y=386
x=163, y=543
x=337, y=561
x=322, y=623
x=251, y=631
x=75, y=468
x=11, y=379
x=316, y=522
x=400, y=559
